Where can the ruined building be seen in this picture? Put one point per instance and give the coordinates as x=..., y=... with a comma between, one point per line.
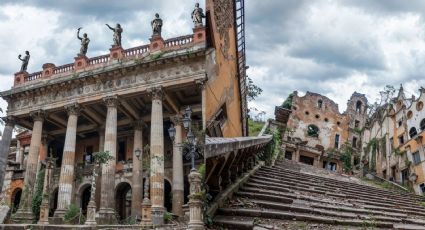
x=124, y=102
x=394, y=141
x=316, y=131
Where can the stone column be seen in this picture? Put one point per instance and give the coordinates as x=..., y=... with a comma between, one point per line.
x=137, y=178
x=107, y=199
x=157, y=157
x=178, y=180
x=66, y=179
x=101, y=132
x=24, y=213
x=202, y=85
x=4, y=147
x=18, y=152
x=196, y=218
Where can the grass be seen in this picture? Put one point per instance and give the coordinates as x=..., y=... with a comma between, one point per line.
x=254, y=127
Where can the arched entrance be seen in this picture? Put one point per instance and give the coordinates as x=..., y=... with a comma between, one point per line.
x=16, y=199
x=85, y=198
x=168, y=196
x=123, y=200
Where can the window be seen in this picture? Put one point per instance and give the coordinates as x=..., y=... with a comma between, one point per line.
x=391, y=144
x=88, y=159
x=356, y=123
x=416, y=157
x=317, y=116
x=313, y=131
x=338, y=123
x=121, y=150
x=419, y=106
x=409, y=114
x=359, y=106
x=422, y=187
x=354, y=144
x=326, y=119
x=319, y=104
x=307, y=113
x=401, y=140
x=400, y=123
x=412, y=132
x=336, y=141
x=422, y=124
x=288, y=155
x=306, y=160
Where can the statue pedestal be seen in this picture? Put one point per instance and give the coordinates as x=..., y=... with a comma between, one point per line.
x=199, y=34
x=196, y=216
x=116, y=52
x=44, y=212
x=91, y=213
x=20, y=77
x=146, y=212
x=48, y=70
x=81, y=61
x=157, y=43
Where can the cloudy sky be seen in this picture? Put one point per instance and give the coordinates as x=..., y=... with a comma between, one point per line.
x=333, y=47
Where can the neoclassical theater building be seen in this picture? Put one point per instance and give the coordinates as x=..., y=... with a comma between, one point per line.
x=120, y=102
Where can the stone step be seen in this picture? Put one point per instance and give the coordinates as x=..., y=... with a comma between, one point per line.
x=302, y=176
x=357, y=193
x=370, y=196
x=272, y=214
x=382, y=207
x=333, y=205
x=234, y=222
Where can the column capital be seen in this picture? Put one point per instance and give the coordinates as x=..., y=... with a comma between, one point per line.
x=38, y=115
x=177, y=120
x=201, y=83
x=9, y=120
x=139, y=124
x=73, y=109
x=111, y=101
x=157, y=92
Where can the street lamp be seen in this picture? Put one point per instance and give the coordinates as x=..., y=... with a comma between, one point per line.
x=138, y=153
x=187, y=119
x=172, y=132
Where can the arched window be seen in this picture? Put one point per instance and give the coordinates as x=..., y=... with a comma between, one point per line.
x=313, y=131
x=412, y=132
x=319, y=103
x=422, y=124
x=359, y=106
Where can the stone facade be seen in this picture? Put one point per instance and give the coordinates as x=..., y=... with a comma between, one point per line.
x=398, y=128
x=100, y=103
x=316, y=130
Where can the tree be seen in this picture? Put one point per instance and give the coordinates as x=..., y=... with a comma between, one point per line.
x=253, y=90
x=287, y=104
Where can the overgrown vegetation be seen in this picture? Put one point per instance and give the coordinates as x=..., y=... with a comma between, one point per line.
x=254, y=127
x=38, y=194
x=73, y=215
x=287, y=104
x=273, y=148
x=253, y=90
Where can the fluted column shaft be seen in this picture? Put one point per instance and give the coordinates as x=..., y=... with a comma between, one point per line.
x=24, y=213
x=4, y=147
x=67, y=174
x=157, y=158
x=137, y=179
x=107, y=199
x=178, y=180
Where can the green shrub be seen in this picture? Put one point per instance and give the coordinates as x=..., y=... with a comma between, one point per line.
x=38, y=194
x=71, y=213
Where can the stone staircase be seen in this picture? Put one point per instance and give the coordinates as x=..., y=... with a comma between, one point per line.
x=276, y=197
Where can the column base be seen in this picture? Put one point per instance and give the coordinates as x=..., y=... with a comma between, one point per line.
x=23, y=216
x=59, y=213
x=157, y=216
x=106, y=216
